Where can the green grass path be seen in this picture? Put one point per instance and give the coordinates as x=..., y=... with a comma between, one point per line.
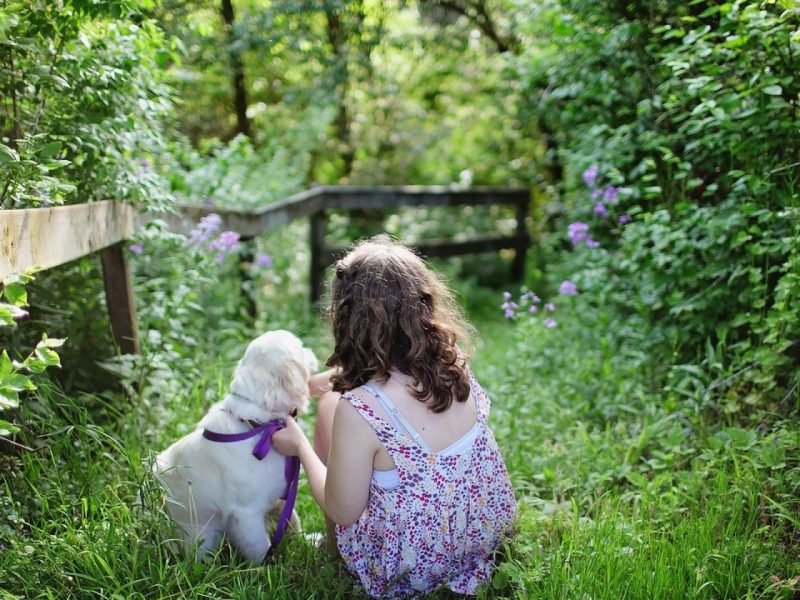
x=623, y=492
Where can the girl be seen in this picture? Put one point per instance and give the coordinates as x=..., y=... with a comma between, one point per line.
x=414, y=479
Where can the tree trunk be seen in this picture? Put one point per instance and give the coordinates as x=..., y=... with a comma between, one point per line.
x=338, y=41
x=237, y=72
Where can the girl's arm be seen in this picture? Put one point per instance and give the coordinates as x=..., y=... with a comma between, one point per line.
x=342, y=488
x=353, y=449
x=320, y=383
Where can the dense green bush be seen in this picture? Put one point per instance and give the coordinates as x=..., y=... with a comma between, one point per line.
x=237, y=174
x=682, y=118
x=87, y=102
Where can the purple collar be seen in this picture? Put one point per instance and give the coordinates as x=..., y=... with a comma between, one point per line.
x=260, y=450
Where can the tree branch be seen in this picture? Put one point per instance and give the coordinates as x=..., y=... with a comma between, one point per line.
x=479, y=15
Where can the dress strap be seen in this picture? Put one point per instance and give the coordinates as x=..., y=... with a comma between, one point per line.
x=393, y=440
x=383, y=428
x=482, y=402
x=397, y=418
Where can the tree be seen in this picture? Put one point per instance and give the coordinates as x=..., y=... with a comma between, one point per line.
x=237, y=70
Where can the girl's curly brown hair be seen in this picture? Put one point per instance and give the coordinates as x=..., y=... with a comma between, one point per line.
x=390, y=311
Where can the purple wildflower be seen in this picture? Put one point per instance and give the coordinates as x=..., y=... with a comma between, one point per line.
x=600, y=210
x=624, y=219
x=549, y=323
x=136, y=249
x=567, y=288
x=597, y=193
x=578, y=232
x=226, y=241
x=224, y=244
x=531, y=297
x=145, y=163
x=533, y=308
x=590, y=175
x=509, y=306
x=263, y=261
x=207, y=227
x=550, y=307
x=611, y=195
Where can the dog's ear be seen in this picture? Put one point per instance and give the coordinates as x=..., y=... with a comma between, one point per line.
x=293, y=379
x=287, y=387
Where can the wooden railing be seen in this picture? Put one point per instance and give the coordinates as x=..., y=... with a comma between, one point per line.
x=48, y=237
x=391, y=198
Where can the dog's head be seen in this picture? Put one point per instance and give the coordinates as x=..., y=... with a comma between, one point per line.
x=273, y=374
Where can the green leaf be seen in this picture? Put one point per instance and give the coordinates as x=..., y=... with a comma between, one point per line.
x=16, y=294
x=773, y=90
x=8, y=155
x=6, y=316
x=50, y=150
x=52, y=342
x=6, y=368
x=53, y=165
x=41, y=359
x=22, y=278
x=8, y=398
x=7, y=428
x=18, y=382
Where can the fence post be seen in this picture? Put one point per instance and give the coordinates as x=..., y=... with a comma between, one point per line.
x=317, y=228
x=119, y=298
x=520, y=252
x=246, y=288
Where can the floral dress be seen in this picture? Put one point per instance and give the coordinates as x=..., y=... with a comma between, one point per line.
x=441, y=523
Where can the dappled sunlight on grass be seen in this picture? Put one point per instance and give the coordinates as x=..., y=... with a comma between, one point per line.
x=621, y=493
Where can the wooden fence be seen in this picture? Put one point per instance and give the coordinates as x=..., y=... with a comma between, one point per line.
x=48, y=237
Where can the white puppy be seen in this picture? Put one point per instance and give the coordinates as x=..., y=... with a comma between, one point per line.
x=219, y=488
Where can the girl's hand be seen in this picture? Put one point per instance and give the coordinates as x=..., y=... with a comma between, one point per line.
x=289, y=440
x=320, y=383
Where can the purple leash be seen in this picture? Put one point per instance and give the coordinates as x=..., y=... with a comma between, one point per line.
x=260, y=450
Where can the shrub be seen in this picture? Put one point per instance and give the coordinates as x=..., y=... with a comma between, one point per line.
x=686, y=114
x=87, y=104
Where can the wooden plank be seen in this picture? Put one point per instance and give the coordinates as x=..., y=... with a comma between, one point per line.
x=248, y=223
x=48, y=237
x=120, y=299
x=392, y=197
x=252, y=223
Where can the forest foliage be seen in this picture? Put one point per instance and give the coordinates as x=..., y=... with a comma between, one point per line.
x=682, y=121
x=646, y=406
x=667, y=130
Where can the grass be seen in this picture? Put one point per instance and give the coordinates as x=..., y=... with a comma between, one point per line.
x=623, y=492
